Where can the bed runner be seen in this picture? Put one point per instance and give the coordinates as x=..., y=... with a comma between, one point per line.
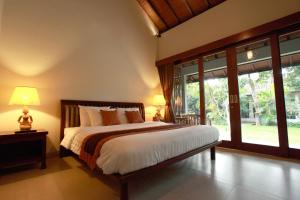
x=92, y=144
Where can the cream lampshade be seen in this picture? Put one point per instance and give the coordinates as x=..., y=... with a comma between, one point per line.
x=25, y=96
x=159, y=102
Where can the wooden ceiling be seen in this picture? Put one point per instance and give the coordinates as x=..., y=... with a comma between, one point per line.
x=166, y=14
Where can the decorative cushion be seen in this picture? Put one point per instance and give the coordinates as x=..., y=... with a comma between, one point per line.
x=110, y=117
x=134, y=116
x=122, y=116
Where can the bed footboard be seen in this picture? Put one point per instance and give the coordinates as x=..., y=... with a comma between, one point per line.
x=124, y=179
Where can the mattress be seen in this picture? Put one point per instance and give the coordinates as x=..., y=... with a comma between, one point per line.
x=133, y=152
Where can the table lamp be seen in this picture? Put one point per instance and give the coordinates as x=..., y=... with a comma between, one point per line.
x=159, y=102
x=25, y=96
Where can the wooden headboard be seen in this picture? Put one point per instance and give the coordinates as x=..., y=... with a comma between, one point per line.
x=70, y=111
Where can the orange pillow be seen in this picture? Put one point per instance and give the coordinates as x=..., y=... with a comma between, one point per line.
x=110, y=117
x=134, y=117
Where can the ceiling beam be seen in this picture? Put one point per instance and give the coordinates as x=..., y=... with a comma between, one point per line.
x=156, y=19
x=213, y=3
x=198, y=6
x=166, y=14
x=181, y=9
x=190, y=8
x=170, y=6
x=165, y=11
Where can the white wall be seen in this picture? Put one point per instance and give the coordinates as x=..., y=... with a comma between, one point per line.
x=74, y=49
x=226, y=19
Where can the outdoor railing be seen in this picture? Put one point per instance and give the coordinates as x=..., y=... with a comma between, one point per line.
x=191, y=119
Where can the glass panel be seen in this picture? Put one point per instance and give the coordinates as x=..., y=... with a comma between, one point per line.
x=257, y=97
x=186, y=96
x=192, y=94
x=216, y=93
x=290, y=62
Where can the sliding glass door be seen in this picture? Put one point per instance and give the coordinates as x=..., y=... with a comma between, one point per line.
x=256, y=94
x=290, y=65
x=250, y=92
x=216, y=93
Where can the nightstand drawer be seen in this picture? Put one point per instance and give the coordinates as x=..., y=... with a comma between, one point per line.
x=5, y=139
x=22, y=148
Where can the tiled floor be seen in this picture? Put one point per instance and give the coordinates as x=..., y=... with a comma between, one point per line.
x=233, y=176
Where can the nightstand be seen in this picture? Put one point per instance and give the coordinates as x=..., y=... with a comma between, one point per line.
x=22, y=148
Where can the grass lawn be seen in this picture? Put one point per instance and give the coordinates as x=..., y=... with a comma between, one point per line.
x=264, y=134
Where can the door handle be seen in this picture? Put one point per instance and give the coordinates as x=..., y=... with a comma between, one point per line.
x=233, y=98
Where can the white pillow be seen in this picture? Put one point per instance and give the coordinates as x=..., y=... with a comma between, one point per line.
x=95, y=115
x=122, y=116
x=84, y=117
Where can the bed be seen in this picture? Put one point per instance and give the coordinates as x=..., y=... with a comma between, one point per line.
x=155, y=146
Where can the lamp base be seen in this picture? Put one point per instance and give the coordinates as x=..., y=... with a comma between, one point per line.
x=157, y=117
x=25, y=120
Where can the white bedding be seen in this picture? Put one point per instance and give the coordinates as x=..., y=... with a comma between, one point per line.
x=133, y=152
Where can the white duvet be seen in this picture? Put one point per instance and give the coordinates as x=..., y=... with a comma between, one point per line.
x=133, y=152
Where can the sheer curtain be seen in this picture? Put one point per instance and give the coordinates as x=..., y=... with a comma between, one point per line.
x=186, y=96
x=178, y=91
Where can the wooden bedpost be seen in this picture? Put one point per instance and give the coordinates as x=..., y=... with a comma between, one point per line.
x=124, y=190
x=213, y=153
x=63, y=152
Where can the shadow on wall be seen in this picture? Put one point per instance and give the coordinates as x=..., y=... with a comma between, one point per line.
x=74, y=49
x=34, y=40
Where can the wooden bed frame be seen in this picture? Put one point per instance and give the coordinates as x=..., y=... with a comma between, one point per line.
x=70, y=118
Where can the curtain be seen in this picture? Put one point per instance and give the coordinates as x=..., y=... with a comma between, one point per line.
x=178, y=91
x=166, y=75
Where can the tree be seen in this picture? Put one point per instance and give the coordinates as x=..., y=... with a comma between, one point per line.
x=291, y=80
x=255, y=100
x=192, y=95
x=216, y=100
